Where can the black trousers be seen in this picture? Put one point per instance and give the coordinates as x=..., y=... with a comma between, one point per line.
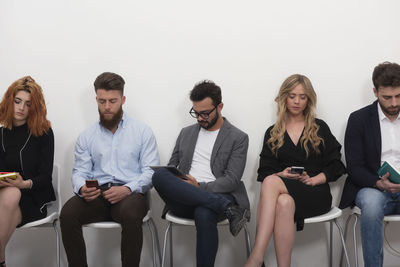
x=129, y=212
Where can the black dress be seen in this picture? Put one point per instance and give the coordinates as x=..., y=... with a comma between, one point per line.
x=310, y=201
x=32, y=157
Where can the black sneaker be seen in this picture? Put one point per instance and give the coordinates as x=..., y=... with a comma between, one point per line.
x=237, y=217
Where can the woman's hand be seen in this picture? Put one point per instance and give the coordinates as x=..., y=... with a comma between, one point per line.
x=17, y=182
x=306, y=179
x=287, y=174
x=313, y=181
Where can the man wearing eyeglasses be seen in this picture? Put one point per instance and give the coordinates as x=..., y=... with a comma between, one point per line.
x=212, y=153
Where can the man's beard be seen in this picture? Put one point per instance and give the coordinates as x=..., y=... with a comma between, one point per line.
x=209, y=124
x=111, y=123
x=394, y=111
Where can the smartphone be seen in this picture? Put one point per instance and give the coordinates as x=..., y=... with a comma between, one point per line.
x=92, y=183
x=297, y=169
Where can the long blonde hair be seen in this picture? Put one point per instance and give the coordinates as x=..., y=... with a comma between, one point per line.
x=310, y=135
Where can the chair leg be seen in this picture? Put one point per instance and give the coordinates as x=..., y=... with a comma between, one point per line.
x=155, y=243
x=57, y=242
x=355, y=241
x=171, y=253
x=330, y=244
x=247, y=240
x=346, y=228
x=165, y=244
x=343, y=242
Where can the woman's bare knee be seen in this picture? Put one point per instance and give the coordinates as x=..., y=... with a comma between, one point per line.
x=270, y=180
x=285, y=204
x=273, y=182
x=9, y=197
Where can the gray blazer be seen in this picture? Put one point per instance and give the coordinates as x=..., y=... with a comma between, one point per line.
x=228, y=159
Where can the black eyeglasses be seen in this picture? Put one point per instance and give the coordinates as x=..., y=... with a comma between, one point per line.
x=204, y=114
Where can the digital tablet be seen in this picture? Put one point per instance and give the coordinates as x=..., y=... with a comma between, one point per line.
x=174, y=170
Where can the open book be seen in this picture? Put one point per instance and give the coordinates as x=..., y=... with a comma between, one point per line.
x=9, y=175
x=394, y=173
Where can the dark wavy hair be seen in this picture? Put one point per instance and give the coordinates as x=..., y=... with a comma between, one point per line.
x=204, y=89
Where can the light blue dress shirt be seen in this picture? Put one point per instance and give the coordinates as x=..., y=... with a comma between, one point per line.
x=123, y=157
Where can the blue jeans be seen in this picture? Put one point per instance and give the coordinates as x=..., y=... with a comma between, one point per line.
x=188, y=201
x=374, y=205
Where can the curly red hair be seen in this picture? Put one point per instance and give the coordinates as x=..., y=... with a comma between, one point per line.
x=37, y=121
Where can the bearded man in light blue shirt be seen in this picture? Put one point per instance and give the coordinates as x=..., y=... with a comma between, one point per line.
x=111, y=175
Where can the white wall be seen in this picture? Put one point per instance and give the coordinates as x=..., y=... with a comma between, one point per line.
x=162, y=48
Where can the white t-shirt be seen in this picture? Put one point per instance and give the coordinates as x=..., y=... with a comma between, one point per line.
x=390, y=134
x=201, y=167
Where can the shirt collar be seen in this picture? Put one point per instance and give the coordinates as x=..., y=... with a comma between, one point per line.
x=122, y=122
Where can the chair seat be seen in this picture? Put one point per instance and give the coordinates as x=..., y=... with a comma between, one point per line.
x=392, y=218
x=49, y=219
x=184, y=221
x=173, y=219
x=387, y=218
x=334, y=213
x=111, y=224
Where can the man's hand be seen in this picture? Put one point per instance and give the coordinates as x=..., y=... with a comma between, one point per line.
x=89, y=193
x=191, y=180
x=385, y=184
x=116, y=193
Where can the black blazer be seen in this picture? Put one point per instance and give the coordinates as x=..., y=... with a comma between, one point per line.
x=362, y=145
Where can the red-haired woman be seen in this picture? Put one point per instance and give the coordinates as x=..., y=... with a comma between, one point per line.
x=27, y=148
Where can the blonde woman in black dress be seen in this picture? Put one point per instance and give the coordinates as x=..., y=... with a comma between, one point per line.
x=296, y=139
x=27, y=147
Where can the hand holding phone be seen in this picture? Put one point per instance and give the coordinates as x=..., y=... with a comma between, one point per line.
x=90, y=194
x=297, y=170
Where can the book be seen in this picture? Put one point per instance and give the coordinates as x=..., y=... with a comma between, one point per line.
x=9, y=175
x=394, y=173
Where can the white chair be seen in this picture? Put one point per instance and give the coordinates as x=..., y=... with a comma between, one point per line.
x=53, y=211
x=173, y=219
x=356, y=212
x=331, y=217
x=146, y=220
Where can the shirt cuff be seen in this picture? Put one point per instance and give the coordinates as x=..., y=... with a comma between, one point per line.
x=77, y=187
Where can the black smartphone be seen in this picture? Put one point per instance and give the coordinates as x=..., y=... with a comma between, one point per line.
x=92, y=183
x=297, y=169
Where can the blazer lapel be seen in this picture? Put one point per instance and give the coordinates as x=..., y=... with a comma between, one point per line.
x=376, y=128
